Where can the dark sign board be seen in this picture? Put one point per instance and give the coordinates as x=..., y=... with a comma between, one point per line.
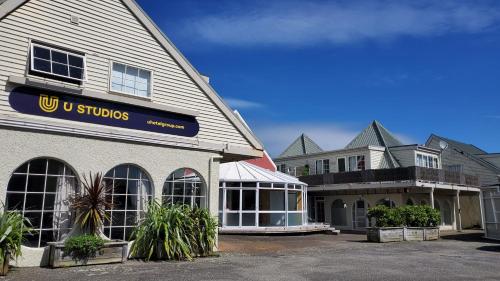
x=89, y=110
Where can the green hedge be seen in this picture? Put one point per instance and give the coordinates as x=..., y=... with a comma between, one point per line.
x=83, y=247
x=410, y=216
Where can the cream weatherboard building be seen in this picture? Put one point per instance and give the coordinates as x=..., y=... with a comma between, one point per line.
x=95, y=86
x=376, y=168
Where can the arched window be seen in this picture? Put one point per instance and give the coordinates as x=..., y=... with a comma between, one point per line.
x=409, y=202
x=386, y=202
x=185, y=186
x=339, y=215
x=130, y=192
x=40, y=189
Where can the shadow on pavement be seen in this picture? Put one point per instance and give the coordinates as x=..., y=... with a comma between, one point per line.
x=467, y=237
x=490, y=248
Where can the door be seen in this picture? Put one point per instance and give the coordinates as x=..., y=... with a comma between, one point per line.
x=359, y=214
x=320, y=211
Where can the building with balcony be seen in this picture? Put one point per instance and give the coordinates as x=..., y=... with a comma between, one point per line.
x=376, y=168
x=469, y=159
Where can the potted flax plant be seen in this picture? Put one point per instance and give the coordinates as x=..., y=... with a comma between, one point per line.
x=86, y=244
x=13, y=228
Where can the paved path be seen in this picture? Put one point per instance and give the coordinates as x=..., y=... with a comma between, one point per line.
x=310, y=257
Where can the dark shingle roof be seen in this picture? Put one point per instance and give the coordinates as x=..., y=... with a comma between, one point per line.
x=301, y=146
x=464, y=147
x=375, y=134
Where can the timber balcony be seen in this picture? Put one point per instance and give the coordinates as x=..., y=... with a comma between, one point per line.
x=393, y=175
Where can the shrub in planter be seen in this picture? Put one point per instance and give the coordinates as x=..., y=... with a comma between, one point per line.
x=13, y=228
x=174, y=232
x=420, y=216
x=83, y=247
x=385, y=216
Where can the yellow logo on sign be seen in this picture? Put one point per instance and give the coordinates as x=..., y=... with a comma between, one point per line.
x=48, y=104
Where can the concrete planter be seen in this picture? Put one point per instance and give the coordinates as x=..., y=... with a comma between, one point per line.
x=397, y=234
x=112, y=252
x=385, y=234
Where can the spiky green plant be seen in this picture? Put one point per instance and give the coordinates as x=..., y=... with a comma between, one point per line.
x=13, y=228
x=174, y=232
x=205, y=231
x=91, y=205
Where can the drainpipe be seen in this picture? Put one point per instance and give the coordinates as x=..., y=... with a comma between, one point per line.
x=209, y=192
x=432, y=197
x=459, y=226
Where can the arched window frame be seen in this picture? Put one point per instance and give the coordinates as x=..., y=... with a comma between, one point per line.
x=67, y=180
x=118, y=227
x=170, y=187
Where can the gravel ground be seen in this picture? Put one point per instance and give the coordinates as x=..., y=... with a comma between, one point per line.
x=311, y=257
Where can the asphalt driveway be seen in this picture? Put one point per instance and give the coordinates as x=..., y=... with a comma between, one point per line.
x=310, y=257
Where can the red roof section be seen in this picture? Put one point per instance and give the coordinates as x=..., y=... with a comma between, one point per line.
x=264, y=162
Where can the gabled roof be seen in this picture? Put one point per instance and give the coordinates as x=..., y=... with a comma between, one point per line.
x=375, y=134
x=10, y=5
x=245, y=172
x=463, y=147
x=301, y=146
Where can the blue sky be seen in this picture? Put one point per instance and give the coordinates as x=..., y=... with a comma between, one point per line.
x=328, y=68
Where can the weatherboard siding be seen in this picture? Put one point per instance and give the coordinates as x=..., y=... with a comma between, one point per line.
x=107, y=32
x=449, y=156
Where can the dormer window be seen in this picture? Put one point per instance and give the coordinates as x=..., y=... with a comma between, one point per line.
x=57, y=63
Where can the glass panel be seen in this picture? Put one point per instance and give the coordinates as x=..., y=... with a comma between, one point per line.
x=294, y=201
x=232, y=200
x=232, y=219
x=221, y=198
x=272, y=219
x=59, y=57
x=17, y=183
x=131, y=73
x=76, y=72
x=248, y=219
x=37, y=166
x=36, y=183
x=272, y=200
x=35, y=218
x=118, y=70
x=352, y=163
x=121, y=171
x=39, y=52
x=248, y=202
x=120, y=187
x=117, y=233
x=55, y=168
x=119, y=202
x=75, y=61
x=15, y=201
x=49, y=202
x=341, y=163
x=361, y=162
x=60, y=69
x=53, y=182
x=294, y=219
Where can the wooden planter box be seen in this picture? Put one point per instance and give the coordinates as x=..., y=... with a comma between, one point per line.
x=385, y=234
x=112, y=252
x=397, y=234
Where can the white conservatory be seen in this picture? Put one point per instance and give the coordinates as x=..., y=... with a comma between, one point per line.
x=253, y=199
x=491, y=204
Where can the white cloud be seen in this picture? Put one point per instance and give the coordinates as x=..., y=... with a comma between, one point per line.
x=277, y=137
x=329, y=136
x=242, y=104
x=300, y=23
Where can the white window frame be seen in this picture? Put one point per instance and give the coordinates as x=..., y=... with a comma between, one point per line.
x=427, y=160
x=110, y=83
x=346, y=165
x=41, y=45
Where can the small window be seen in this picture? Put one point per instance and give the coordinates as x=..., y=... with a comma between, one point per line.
x=341, y=164
x=130, y=80
x=57, y=63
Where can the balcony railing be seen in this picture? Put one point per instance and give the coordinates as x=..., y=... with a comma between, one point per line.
x=393, y=175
